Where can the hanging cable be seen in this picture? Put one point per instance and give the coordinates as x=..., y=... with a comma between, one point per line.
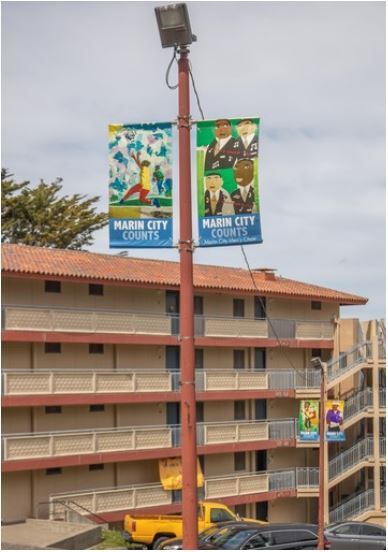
x=171, y=86
x=267, y=317
x=195, y=91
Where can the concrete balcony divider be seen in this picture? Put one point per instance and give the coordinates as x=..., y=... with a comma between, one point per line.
x=60, y=319
x=68, y=443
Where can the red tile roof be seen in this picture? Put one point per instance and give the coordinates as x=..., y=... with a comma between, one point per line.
x=82, y=265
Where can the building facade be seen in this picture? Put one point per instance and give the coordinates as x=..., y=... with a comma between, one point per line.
x=91, y=395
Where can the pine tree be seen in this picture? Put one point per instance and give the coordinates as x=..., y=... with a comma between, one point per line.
x=40, y=216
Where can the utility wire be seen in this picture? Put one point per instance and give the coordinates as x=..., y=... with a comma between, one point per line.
x=195, y=91
x=266, y=315
x=171, y=86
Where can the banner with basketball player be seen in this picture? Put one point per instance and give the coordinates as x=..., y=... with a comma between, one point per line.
x=140, y=185
x=227, y=182
x=308, y=420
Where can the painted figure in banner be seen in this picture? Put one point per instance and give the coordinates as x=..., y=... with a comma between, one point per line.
x=221, y=152
x=243, y=196
x=217, y=199
x=310, y=416
x=158, y=177
x=144, y=186
x=334, y=418
x=247, y=143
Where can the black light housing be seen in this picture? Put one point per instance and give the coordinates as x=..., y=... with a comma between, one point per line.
x=174, y=25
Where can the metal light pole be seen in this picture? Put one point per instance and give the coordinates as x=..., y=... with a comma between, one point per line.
x=188, y=406
x=317, y=363
x=175, y=31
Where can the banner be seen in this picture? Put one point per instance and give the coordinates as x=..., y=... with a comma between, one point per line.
x=334, y=418
x=170, y=472
x=227, y=182
x=140, y=185
x=309, y=420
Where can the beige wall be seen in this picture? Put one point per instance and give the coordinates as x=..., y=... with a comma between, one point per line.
x=217, y=411
x=132, y=473
x=219, y=464
x=15, y=356
x=286, y=458
x=282, y=408
x=141, y=414
x=287, y=510
x=139, y=357
x=20, y=291
x=300, y=310
x=16, y=496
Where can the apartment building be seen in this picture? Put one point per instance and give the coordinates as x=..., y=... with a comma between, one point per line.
x=91, y=389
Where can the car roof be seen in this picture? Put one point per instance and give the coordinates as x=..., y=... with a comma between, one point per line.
x=350, y=522
x=278, y=526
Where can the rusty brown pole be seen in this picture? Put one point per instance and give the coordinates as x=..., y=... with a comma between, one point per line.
x=188, y=407
x=322, y=467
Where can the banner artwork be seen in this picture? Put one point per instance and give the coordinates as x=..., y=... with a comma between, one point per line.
x=227, y=182
x=140, y=185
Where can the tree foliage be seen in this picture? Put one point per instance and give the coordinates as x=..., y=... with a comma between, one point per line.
x=41, y=216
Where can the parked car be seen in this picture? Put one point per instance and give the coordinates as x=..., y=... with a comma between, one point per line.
x=274, y=536
x=204, y=536
x=352, y=535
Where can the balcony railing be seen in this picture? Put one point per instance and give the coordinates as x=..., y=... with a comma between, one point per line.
x=353, y=506
x=146, y=381
x=32, y=318
x=348, y=360
x=358, y=403
x=78, y=442
x=360, y=452
x=382, y=395
x=140, y=496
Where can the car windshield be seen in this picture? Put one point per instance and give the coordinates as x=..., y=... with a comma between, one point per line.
x=208, y=532
x=231, y=538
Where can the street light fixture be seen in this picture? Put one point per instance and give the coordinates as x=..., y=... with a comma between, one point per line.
x=317, y=363
x=174, y=25
x=175, y=31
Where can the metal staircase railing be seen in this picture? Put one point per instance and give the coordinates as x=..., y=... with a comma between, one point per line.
x=353, y=506
x=348, y=360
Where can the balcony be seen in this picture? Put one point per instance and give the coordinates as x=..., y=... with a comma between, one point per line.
x=126, y=440
x=85, y=382
x=58, y=319
x=229, y=488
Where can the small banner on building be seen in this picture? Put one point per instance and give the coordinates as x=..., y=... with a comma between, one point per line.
x=170, y=472
x=140, y=185
x=227, y=182
x=309, y=420
x=334, y=418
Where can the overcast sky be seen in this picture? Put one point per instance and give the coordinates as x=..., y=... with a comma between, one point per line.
x=313, y=71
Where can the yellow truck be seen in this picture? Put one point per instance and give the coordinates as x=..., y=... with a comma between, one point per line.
x=153, y=530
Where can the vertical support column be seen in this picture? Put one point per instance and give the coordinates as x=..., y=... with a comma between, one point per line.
x=376, y=418
x=187, y=357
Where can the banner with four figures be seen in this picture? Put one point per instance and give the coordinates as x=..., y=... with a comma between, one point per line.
x=227, y=182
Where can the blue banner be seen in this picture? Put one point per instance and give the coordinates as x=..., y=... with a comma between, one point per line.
x=227, y=182
x=140, y=185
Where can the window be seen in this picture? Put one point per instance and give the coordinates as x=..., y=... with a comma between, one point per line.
x=218, y=514
x=347, y=529
x=316, y=353
x=316, y=305
x=284, y=537
x=52, y=347
x=52, y=286
x=238, y=308
x=372, y=531
x=53, y=471
x=260, y=359
x=255, y=543
x=240, y=510
x=239, y=410
x=96, y=467
x=53, y=409
x=199, y=412
x=260, y=307
x=238, y=359
x=239, y=461
x=198, y=304
x=96, y=289
x=96, y=407
x=198, y=362
x=96, y=348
